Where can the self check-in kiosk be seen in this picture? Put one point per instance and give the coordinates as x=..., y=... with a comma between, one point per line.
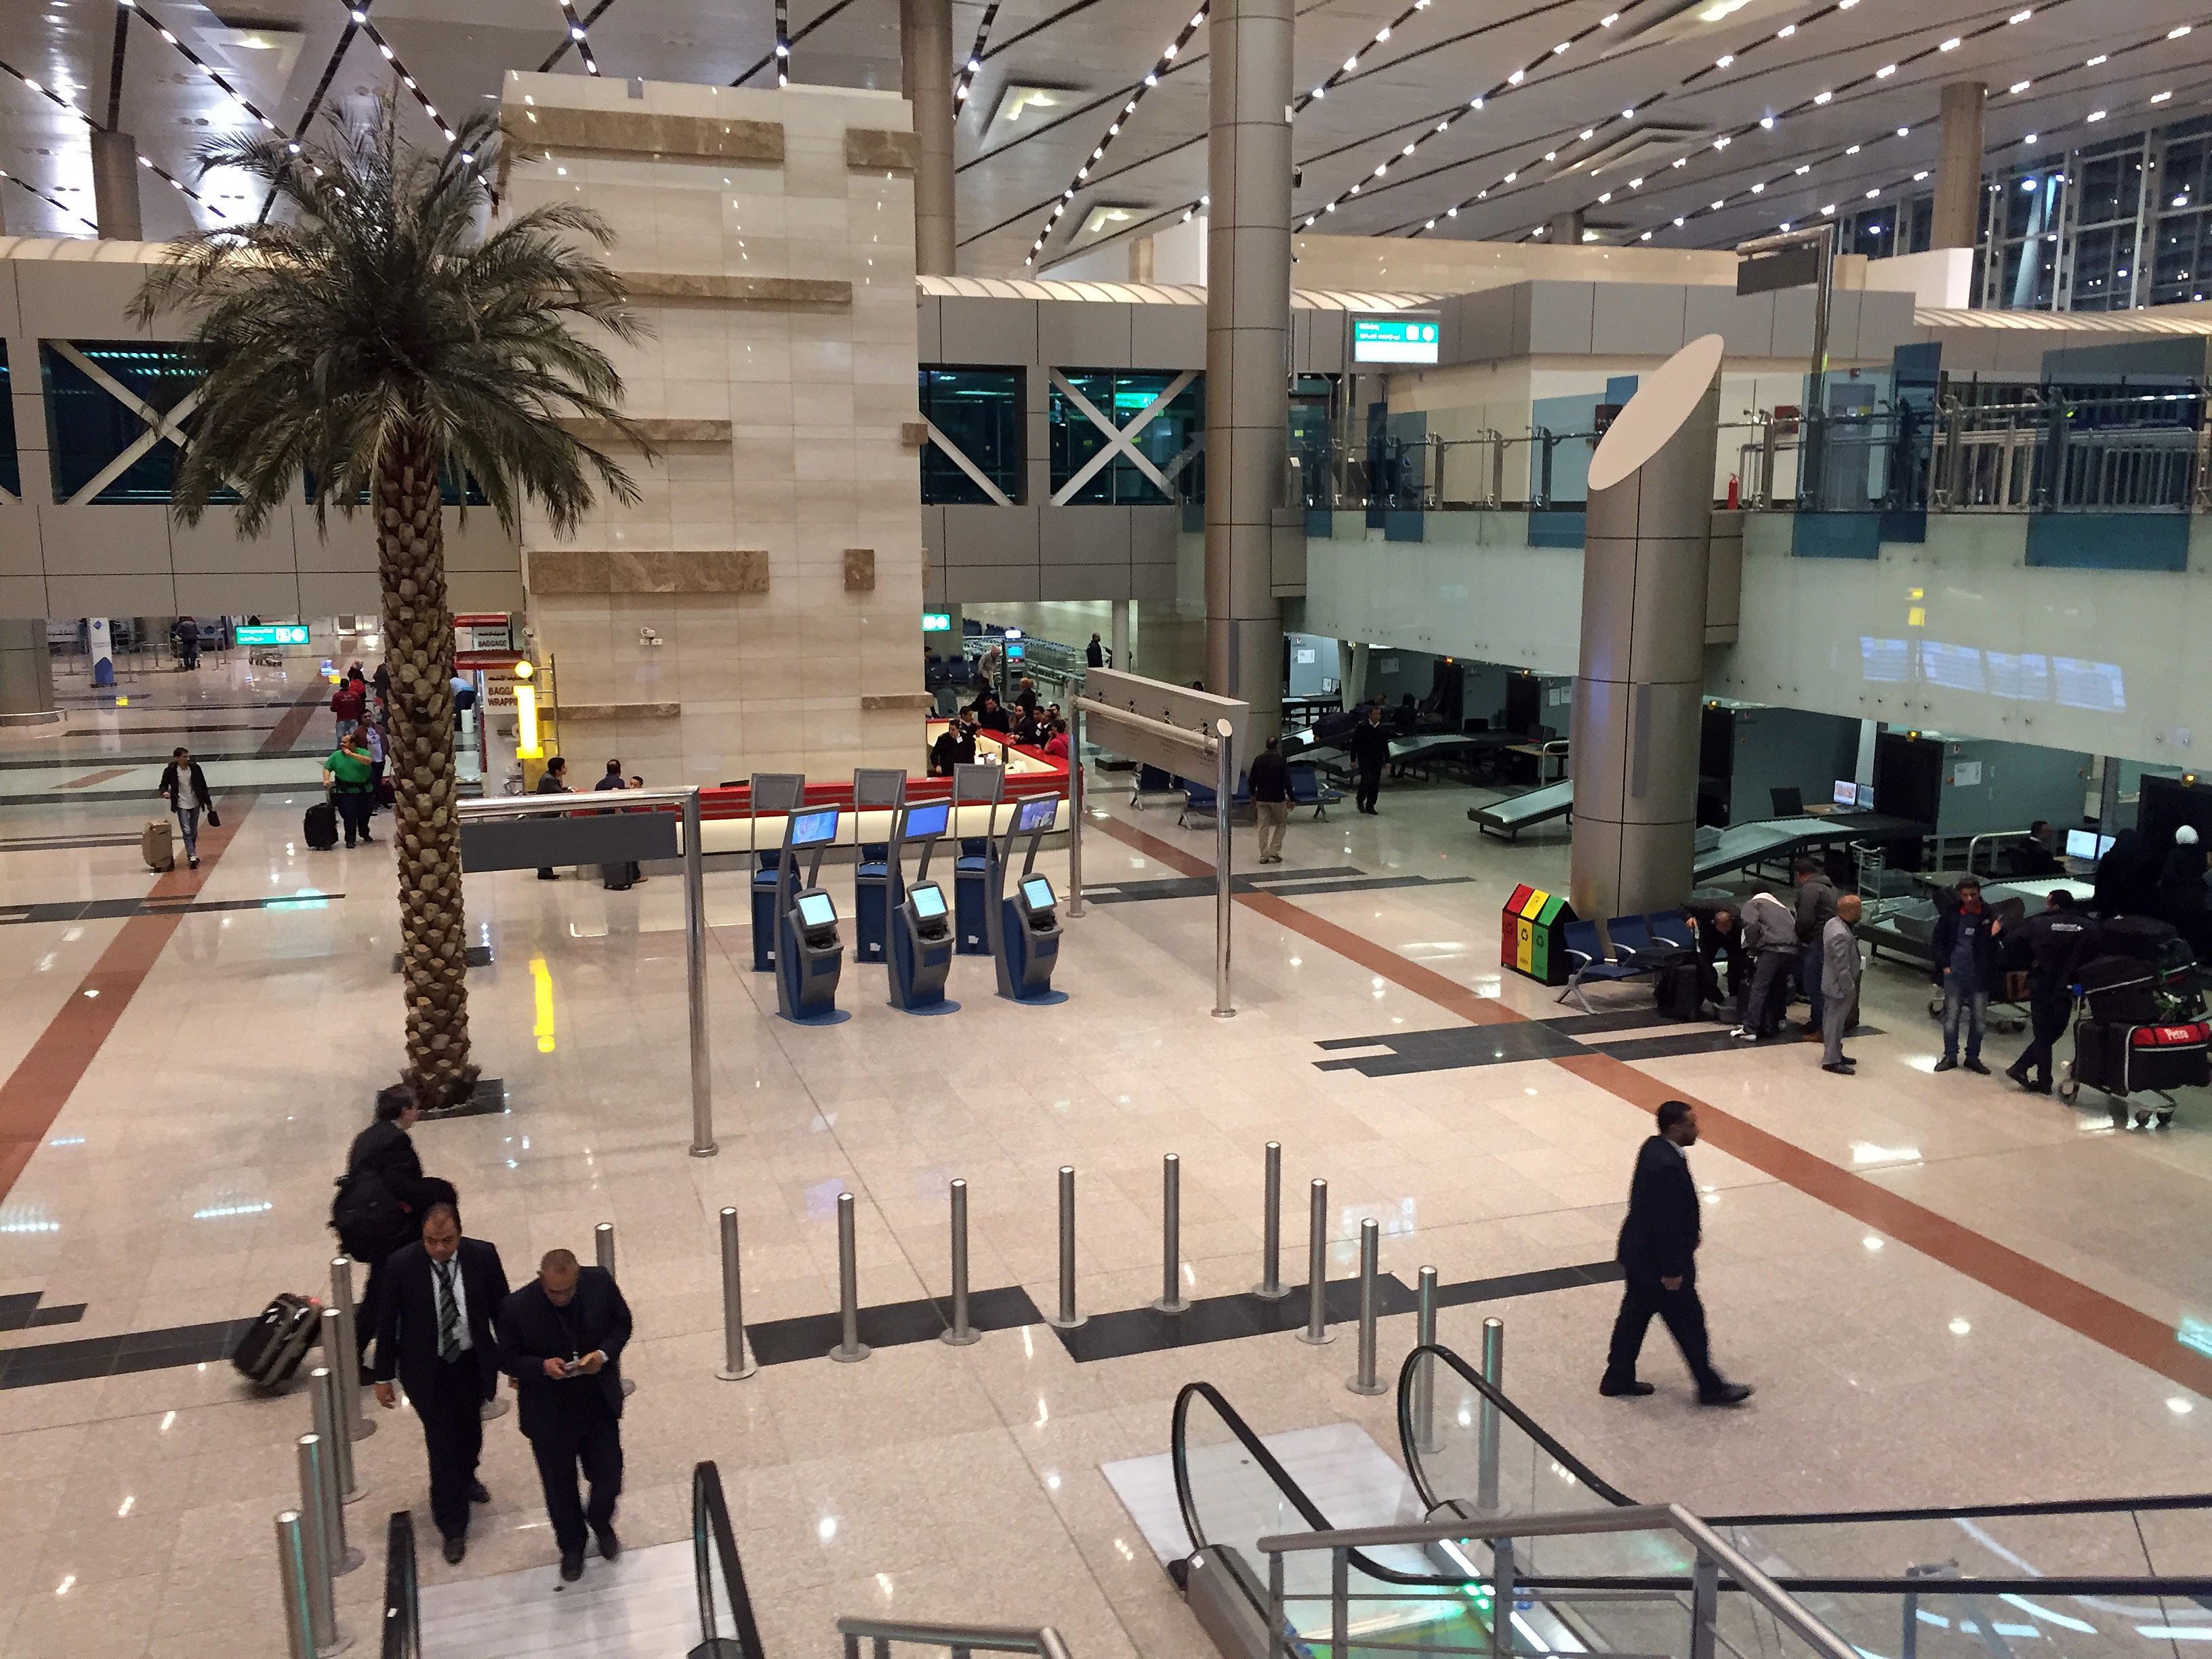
x=810, y=956
x=921, y=922
x=980, y=786
x=876, y=889
x=1024, y=926
x=773, y=795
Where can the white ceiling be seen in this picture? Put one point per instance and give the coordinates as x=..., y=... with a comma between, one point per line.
x=1095, y=53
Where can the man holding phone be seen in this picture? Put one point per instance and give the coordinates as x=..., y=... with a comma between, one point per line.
x=561, y=1338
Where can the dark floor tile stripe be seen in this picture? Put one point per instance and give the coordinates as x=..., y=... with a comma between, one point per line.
x=811, y=1336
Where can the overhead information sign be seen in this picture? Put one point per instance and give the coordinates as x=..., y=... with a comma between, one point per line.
x=1793, y=267
x=1393, y=340
x=285, y=636
x=937, y=621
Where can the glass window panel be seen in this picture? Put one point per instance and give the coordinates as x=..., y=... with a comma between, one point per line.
x=89, y=427
x=982, y=411
x=1874, y=233
x=1120, y=396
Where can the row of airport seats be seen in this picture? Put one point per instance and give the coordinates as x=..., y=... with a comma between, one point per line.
x=1306, y=790
x=1641, y=946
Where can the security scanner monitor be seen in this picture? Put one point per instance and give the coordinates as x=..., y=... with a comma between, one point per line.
x=973, y=785
x=921, y=931
x=810, y=955
x=1024, y=925
x=876, y=884
x=1847, y=793
x=774, y=794
x=2087, y=845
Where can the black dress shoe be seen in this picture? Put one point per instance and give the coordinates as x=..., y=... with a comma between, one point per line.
x=476, y=1492
x=1841, y=1070
x=1728, y=1393
x=572, y=1565
x=1976, y=1067
x=610, y=1545
x=456, y=1547
x=1614, y=1390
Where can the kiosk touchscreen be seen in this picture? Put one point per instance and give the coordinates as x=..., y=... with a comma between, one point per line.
x=922, y=935
x=816, y=912
x=810, y=956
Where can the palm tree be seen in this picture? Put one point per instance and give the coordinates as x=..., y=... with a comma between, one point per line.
x=383, y=340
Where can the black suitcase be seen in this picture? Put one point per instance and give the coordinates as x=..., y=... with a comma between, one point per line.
x=2098, y=1059
x=2120, y=990
x=2139, y=937
x=1676, y=991
x=271, y=1350
x=319, y=826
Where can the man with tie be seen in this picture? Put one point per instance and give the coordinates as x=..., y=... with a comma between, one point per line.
x=561, y=1338
x=434, y=1332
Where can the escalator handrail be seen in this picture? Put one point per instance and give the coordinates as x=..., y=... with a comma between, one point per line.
x=711, y=1532
x=402, y=1611
x=1821, y=1584
x=1527, y=1425
x=1044, y=1640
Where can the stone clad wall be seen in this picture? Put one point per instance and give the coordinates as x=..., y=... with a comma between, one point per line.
x=777, y=553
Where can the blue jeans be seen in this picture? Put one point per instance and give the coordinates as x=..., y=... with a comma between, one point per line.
x=1968, y=995
x=188, y=821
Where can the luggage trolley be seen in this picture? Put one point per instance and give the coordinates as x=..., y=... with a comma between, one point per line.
x=773, y=794
x=920, y=920
x=2122, y=1058
x=810, y=956
x=1025, y=929
x=875, y=876
x=973, y=785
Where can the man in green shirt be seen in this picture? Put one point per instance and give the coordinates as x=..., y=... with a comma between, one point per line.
x=347, y=775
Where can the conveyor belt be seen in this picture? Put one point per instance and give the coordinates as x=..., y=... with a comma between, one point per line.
x=1510, y=817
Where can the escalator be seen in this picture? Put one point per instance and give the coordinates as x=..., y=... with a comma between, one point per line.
x=2100, y=1579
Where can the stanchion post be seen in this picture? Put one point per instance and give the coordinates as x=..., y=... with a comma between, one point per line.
x=1225, y=786
x=1316, y=1331
x=603, y=1250
x=1271, y=1229
x=316, y=1545
x=1364, y=1377
x=851, y=1348
x=1066, y=1319
x=1075, y=781
x=1424, y=1376
x=343, y=1558
x=959, y=1334
x=1171, y=1300
x=1493, y=1372
x=328, y=1385
x=345, y=1359
x=293, y=1581
x=737, y=1363
x=694, y=980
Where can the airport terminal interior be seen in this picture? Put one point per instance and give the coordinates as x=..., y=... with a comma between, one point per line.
x=1103, y=777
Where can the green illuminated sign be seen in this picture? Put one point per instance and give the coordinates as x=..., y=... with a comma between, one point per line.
x=937, y=621
x=290, y=634
x=1394, y=340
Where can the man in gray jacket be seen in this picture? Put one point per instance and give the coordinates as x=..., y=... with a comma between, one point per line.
x=1769, y=936
x=1840, y=968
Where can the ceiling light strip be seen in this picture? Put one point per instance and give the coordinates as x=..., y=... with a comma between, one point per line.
x=966, y=78
x=199, y=63
x=1338, y=76
x=144, y=161
x=578, y=38
x=783, y=43
x=360, y=16
x=51, y=202
x=553, y=57
x=1162, y=67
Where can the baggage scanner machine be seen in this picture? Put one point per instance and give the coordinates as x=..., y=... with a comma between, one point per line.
x=921, y=921
x=809, y=954
x=1024, y=929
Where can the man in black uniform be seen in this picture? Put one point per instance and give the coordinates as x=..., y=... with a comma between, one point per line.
x=1718, y=941
x=434, y=1333
x=1370, y=752
x=954, y=746
x=2056, y=942
x=561, y=1338
x=1659, y=1253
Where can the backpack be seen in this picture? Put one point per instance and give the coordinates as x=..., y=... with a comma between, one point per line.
x=368, y=1218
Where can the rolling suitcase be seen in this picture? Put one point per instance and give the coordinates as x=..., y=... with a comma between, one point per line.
x=2139, y=937
x=2119, y=990
x=271, y=1348
x=318, y=827
x=158, y=845
x=2169, y=1057
x=1676, y=991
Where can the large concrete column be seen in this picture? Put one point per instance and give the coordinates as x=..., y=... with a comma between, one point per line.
x=1958, y=217
x=1140, y=259
x=115, y=186
x=26, y=671
x=1247, y=319
x=1119, y=637
x=926, y=77
x=1637, y=691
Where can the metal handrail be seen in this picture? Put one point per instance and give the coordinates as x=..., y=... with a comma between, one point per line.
x=962, y=1639
x=1712, y=1548
x=1973, y=841
x=402, y=1609
x=712, y=1539
x=1408, y=1439
x=574, y=800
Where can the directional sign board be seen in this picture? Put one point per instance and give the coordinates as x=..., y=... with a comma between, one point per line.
x=1407, y=339
x=291, y=634
x=1109, y=693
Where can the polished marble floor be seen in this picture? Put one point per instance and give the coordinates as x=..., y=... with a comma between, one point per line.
x=1945, y=1290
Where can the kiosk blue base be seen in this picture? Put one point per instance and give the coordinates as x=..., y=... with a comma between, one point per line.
x=764, y=882
x=970, y=906
x=871, y=901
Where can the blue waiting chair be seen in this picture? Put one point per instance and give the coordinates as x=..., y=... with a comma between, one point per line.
x=1631, y=944
x=1150, y=780
x=1670, y=930
x=1200, y=798
x=1307, y=790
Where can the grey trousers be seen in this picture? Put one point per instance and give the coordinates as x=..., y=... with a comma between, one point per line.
x=1835, y=1020
x=1754, y=1000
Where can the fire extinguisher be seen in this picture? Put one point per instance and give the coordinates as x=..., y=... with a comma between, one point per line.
x=1736, y=492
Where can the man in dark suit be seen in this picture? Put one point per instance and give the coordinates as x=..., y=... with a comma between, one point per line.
x=1370, y=743
x=434, y=1333
x=561, y=1338
x=1659, y=1254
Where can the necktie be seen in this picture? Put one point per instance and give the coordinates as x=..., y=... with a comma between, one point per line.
x=449, y=1314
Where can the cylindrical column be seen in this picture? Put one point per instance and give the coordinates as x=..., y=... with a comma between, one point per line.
x=694, y=979
x=27, y=668
x=1425, y=1374
x=1316, y=1331
x=335, y=1456
x=328, y=1382
x=317, y=1543
x=1140, y=259
x=926, y=77
x=1172, y=1300
x=851, y=1348
x=295, y=1582
x=960, y=1335
x=1271, y=1229
x=1224, y=903
x=1637, y=697
x=737, y=1363
x=1493, y=1372
x=115, y=186
x=1066, y=1319
x=1075, y=792
x=1957, y=220
x=1364, y=1379
x=1121, y=626
x=345, y=1359
x=1248, y=319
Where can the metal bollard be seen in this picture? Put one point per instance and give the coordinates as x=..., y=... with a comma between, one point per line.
x=603, y=1248
x=1270, y=1286
x=292, y=1581
x=851, y=1349
x=1316, y=1331
x=315, y=1541
x=323, y=1382
x=1493, y=1372
x=1364, y=1380
x=1067, y=1319
x=345, y=1359
x=1171, y=1297
x=959, y=1334
x=1425, y=1378
x=342, y=1556
x=737, y=1363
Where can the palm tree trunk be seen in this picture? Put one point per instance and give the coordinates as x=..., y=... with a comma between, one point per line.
x=411, y=542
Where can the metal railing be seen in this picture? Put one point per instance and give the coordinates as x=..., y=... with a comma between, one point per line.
x=1435, y=473
x=960, y=1640
x=715, y=1546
